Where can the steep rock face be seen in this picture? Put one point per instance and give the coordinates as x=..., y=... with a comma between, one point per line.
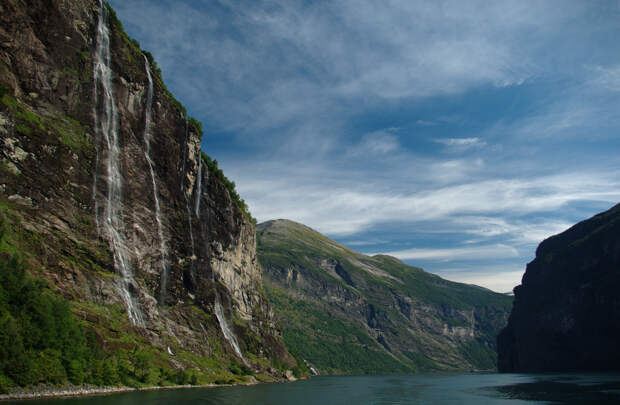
x=566, y=314
x=112, y=199
x=345, y=312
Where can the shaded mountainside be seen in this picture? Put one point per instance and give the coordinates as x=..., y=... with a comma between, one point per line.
x=104, y=193
x=566, y=314
x=345, y=312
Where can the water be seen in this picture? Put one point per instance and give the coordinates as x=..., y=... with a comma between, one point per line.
x=458, y=389
x=198, y=190
x=192, y=267
x=147, y=154
x=228, y=333
x=106, y=126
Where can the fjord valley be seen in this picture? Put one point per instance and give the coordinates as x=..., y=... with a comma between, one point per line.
x=129, y=260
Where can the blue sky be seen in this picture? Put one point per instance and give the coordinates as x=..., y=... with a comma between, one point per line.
x=453, y=135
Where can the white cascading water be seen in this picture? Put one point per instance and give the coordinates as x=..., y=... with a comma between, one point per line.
x=189, y=211
x=228, y=334
x=147, y=154
x=198, y=190
x=106, y=125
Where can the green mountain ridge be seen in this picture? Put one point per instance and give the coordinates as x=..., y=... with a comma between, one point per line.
x=344, y=312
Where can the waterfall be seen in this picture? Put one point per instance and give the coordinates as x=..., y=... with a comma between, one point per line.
x=228, y=334
x=106, y=126
x=147, y=155
x=198, y=189
x=189, y=211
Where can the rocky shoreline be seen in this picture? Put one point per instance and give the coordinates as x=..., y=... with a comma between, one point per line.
x=46, y=391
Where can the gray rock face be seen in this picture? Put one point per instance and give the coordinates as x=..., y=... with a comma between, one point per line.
x=55, y=183
x=566, y=313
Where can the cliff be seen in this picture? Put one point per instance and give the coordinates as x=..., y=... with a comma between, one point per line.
x=107, y=197
x=566, y=313
x=347, y=313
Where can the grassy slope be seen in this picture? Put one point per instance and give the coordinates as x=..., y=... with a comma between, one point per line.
x=337, y=343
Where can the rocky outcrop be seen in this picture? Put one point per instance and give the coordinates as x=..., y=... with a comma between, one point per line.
x=102, y=178
x=345, y=312
x=566, y=313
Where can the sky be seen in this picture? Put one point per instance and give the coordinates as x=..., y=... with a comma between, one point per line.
x=454, y=135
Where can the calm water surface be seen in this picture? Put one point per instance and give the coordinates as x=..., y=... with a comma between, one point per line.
x=462, y=389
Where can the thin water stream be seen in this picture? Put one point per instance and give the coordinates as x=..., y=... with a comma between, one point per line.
x=147, y=154
x=106, y=126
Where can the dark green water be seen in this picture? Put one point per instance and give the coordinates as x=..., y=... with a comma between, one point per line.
x=461, y=389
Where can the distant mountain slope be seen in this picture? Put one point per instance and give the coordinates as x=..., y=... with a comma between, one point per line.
x=345, y=312
x=566, y=314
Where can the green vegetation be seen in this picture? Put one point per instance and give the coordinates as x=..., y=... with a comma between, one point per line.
x=43, y=342
x=334, y=345
x=26, y=120
x=70, y=132
x=480, y=354
x=230, y=186
x=377, y=293
x=41, y=339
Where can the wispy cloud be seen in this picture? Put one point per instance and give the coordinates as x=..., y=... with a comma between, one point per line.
x=376, y=143
x=334, y=53
x=487, y=252
x=347, y=205
x=496, y=279
x=516, y=231
x=461, y=144
x=606, y=77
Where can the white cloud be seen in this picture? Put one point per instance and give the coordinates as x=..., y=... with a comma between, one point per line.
x=461, y=144
x=376, y=143
x=498, y=280
x=487, y=252
x=607, y=77
x=341, y=205
x=424, y=123
x=517, y=231
x=366, y=242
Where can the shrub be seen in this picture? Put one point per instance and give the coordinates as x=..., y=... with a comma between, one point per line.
x=230, y=186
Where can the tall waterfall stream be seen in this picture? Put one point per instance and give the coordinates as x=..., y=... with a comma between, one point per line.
x=147, y=155
x=106, y=126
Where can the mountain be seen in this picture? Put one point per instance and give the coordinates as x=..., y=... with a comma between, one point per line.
x=566, y=313
x=126, y=255
x=345, y=312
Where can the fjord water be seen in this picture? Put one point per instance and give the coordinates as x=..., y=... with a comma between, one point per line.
x=461, y=389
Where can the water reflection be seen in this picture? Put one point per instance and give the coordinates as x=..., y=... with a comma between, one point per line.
x=565, y=389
